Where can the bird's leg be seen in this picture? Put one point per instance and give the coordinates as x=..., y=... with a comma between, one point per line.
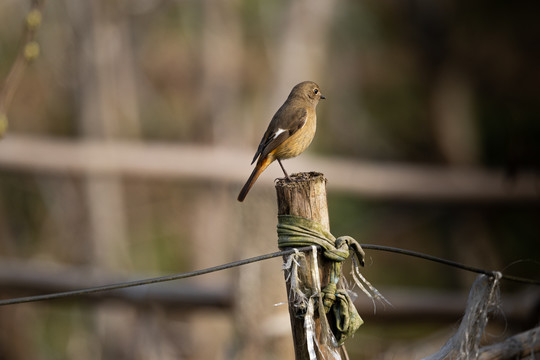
x=282, y=168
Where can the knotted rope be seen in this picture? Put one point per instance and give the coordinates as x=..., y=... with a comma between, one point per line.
x=296, y=231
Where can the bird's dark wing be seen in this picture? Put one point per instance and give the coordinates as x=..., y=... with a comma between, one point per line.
x=283, y=125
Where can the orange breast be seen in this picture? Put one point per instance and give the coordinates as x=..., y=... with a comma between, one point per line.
x=299, y=141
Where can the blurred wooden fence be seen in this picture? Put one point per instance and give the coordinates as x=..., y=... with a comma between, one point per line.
x=224, y=164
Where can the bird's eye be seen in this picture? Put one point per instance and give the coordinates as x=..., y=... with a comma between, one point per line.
x=316, y=91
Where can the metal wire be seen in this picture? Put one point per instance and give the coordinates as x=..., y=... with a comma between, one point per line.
x=233, y=264
x=449, y=263
x=155, y=280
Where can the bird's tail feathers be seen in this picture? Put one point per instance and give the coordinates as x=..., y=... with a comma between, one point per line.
x=259, y=168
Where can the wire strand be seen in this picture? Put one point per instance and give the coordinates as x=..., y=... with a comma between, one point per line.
x=449, y=263
x=149, y=281
x=233, y=264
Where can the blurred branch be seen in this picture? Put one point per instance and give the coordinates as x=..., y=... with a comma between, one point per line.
x=521, y=346
x=28, y=52
x=198, y=162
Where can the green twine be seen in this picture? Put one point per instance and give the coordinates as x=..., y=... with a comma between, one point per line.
x=296, y=231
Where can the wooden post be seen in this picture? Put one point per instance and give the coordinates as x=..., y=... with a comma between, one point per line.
x=306, y=197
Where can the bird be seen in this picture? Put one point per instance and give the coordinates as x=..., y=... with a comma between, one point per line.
x=289, y=133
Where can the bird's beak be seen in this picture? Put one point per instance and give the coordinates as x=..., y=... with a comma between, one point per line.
x=323, y=97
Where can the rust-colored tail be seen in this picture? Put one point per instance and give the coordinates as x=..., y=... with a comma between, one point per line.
x=259, y=168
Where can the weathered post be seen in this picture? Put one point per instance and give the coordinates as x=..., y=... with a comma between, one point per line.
x=305, y=197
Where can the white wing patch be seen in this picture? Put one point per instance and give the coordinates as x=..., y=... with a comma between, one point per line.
x=278, y=131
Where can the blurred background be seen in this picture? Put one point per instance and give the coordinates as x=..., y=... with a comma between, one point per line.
x=131, y=135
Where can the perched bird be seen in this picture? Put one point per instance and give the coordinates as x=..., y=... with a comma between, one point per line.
x=290, y=131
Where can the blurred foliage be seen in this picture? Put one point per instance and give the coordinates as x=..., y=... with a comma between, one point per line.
x=384, y=62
